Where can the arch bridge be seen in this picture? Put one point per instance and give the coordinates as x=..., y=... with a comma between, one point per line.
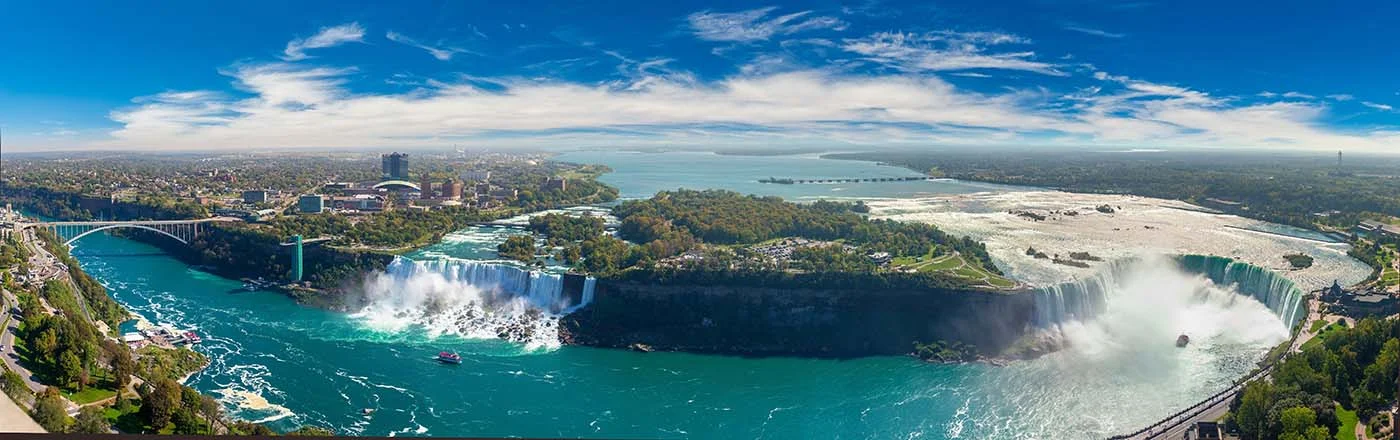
x=183, y=231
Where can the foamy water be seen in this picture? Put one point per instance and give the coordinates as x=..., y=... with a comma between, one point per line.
x=470, y=299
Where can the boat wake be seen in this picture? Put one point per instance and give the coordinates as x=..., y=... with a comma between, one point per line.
x=473, y=300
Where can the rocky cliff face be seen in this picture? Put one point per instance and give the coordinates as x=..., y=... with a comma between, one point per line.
x=800, y=321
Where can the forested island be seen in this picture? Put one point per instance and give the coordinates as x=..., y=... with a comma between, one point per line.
x=717, y=236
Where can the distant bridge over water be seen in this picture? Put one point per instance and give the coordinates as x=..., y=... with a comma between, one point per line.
x=183, y=231
x=786, y=181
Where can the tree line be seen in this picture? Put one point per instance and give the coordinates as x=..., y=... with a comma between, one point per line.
x=1352, y=368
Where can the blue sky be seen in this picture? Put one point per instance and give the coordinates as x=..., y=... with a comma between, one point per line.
x=867, y=73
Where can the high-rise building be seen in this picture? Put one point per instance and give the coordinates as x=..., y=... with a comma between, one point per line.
x=427, y=187
x=254, y=196
x=555, y=183
x=395, y=166
x=311, y=204
x=452, y=189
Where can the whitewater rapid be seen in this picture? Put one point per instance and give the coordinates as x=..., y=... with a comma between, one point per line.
x=472, y=299
x=1135, y=226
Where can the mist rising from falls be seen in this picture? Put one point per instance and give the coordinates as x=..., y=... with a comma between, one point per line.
x=473, y=300
x=1200, y=278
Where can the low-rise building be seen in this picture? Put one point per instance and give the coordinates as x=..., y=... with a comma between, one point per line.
x=880, y=257
x=1374, y=303
x=1205, y=431
x=504, y=193
x=263, y=214
x=478, y=176
x=365, y=203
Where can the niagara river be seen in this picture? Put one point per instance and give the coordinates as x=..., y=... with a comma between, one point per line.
x=278, y=362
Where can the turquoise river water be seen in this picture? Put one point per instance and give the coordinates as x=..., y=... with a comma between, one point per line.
x=287, y=365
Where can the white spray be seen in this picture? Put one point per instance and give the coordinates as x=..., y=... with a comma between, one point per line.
x=470, y=299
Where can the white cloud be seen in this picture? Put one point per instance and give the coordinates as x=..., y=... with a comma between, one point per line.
x=295, y=106
x=809, y=92
x=754, y=25
x=1092, y=31
x=947, y=51
x=444, y=53
x=327, y=37
x=1268, y=94
x=1377, y=106
x=1341, y=97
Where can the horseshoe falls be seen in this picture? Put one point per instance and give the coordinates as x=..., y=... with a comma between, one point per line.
x=1090, y=297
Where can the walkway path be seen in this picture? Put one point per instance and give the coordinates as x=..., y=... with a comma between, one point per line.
x=14, y=419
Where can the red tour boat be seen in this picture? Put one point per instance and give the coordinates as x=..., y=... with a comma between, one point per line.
x=449, y=358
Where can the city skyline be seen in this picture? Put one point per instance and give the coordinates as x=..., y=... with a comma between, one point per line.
x=824, y=74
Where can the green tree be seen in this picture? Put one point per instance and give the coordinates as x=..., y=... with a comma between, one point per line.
x=50, y=412
x=160, y=402
x=186, y=423
x=122, y=367
x=518, y=247
x=210, y=409
x=91, y=421
x=15, y=385
x=313, y=431
x=1252, y=414
x=69, y=368
x=240, y=427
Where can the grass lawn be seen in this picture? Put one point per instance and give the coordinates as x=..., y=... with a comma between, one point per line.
x=1348, y=428
x=945, y=264
x=1317, y=325
x=89, y=395
x=1000, y=282
x=967, y=272
x=1316, y=340
x=128, y=421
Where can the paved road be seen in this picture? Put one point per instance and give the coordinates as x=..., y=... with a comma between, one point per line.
x=11, y=358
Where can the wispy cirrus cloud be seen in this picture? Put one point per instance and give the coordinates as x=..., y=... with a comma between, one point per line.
x=947, y=51
x=443, y=53
x=1341, y=97
x=755, y=25
x=326, y=37
x=1378, y=106
x=1091, y=31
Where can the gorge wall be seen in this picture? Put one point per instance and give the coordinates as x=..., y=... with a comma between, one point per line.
x=846, y=322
